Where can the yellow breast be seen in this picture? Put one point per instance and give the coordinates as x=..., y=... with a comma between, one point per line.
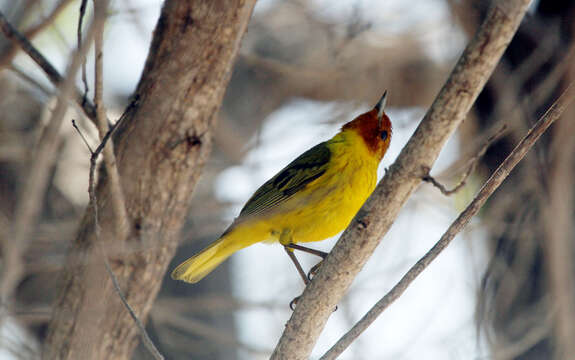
x=327, y=205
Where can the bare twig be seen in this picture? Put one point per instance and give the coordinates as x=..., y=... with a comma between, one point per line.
x=100, y=9
x=148, y=343
x=29, y=79
x=463, y=219
x=53, y=75
x=471, y=167
x=79, y=40
x=11, y=33
x=376, y=216
x=82, y=136
x=7, y=56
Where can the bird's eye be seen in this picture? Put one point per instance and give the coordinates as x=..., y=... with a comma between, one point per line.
x=383, y=135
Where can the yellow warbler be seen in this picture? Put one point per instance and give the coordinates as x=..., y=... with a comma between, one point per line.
x=314, y=197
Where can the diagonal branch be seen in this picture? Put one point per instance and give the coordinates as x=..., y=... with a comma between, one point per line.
x=378, y=213
x=53, y=75
x=11, y=51
x=470, y=168
x=462, y=220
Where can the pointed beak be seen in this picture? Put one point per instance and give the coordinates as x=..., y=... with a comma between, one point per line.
x=380, y=106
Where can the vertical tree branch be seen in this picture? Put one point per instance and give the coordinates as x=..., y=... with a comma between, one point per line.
x=364, y=233
x=100, y=13
x=558, y=219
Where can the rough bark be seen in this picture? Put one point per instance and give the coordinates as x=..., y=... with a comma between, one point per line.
x=161, y=146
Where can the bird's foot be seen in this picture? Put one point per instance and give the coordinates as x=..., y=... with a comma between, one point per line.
x=313, y=271
x=294, y=302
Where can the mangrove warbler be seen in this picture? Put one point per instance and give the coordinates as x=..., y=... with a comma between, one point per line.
x=314, y=197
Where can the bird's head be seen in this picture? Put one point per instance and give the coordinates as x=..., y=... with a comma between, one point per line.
x=374, y=128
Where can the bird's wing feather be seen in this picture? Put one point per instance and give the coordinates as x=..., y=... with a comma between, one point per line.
x=308, y=167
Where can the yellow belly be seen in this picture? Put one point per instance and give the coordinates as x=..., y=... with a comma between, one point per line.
x=326, y=206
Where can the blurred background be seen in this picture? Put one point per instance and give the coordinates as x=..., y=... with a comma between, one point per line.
x=305, y=68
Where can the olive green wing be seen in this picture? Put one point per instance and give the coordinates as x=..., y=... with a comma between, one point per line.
x=308, y=167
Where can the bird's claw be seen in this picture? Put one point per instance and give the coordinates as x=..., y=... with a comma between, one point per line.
x=313, y=271
x=293, y=303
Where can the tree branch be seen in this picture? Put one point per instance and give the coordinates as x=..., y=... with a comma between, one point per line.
x=376, y=216
x=53, y=75
x=11, y=51
x=462, y=220
x=100, y=12
x=472, y=164
x=558, y=226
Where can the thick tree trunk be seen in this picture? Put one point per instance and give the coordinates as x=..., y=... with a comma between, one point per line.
x=161, y=146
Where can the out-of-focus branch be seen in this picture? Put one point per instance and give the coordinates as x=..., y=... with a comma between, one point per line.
x=100, y=9
x=462, y=220
x=558, y=219
x=470, y=168
x=79, y=40
x=200, y=329
x=31, y=195
x=11, y=51
x=376, y=216
x=53, y=75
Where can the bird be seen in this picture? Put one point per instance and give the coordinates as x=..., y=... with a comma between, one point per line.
x=313, y=198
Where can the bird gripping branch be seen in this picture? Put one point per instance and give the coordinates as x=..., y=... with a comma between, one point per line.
x=313, y=198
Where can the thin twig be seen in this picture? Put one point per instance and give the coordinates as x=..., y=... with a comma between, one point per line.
x=53, y=75
x=148, y=343
x=29, y=79
x=82, y=136
x=79, y=40
x=11, y=33
x=552, y=114
x=471, y=167
x=117, y=195
x=8, y=55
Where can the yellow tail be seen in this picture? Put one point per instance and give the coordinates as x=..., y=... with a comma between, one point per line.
x=198, y=266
